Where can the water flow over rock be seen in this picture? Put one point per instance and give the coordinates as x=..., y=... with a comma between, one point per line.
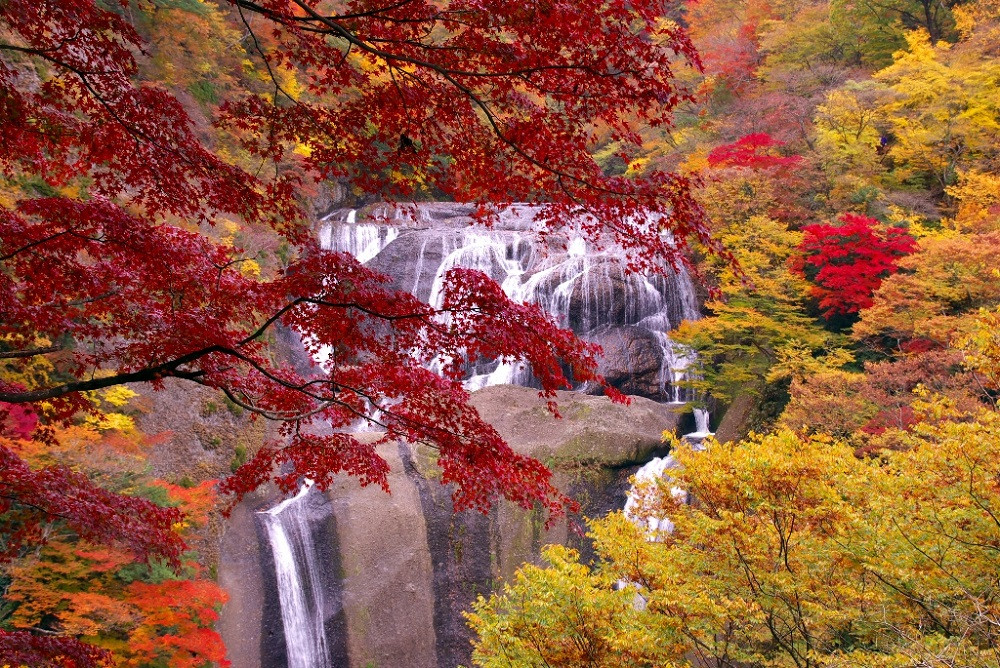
x=585, y=288
x=300, y=592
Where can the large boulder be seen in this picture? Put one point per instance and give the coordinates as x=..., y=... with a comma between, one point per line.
x=632, y=359
x=592, y=430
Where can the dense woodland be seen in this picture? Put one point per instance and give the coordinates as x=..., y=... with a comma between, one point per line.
x=849, y=160
x=829, y=170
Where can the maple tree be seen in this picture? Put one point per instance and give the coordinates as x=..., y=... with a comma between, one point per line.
x=87, y=585
x=751, y=151
x=847, y=262
x=454, y=89
x=483, y=102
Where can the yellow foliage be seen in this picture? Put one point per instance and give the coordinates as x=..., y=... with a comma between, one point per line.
x=944, y=110
x=931, y=296
x=31, y=372
x=637, y=166
x=979, y=21
x=289, y=82
x=794, y=554
x=118, y=395
x=982, y=347
x=847, y=128
x=978, y=196
x=250, y=268
x=111, y=422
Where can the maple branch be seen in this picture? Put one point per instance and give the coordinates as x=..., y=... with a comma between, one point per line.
x=21, y=502
x=449, y=74
x=150, y=374
x=263, y=57
x=36, y=242
x=271, y=415
x=172, y=368
x=31, y=352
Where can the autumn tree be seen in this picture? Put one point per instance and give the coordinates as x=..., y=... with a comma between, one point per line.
x=942, y=111
x=936, y=291
x=795, y=553
x=759, y=329
x=847, y=262
x=104, y=172
x=70, y=582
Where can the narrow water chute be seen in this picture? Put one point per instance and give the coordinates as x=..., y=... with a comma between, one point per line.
x=297, y=572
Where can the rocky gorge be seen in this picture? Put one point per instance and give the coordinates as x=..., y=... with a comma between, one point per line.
x=356, y=577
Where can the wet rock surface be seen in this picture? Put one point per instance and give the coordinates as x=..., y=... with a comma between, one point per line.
x=403, y=567
x=584, y=287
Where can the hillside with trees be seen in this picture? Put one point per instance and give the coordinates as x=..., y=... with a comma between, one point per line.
x=849, y=162
x=829, y=171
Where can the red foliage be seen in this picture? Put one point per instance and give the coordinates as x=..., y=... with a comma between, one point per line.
x=17, y=420
x=30, y=498
x=20, y=648
x=751, y=151
x=177, y=621
x=483, y=101
x=846, y=263
x=197, y=501
x=507, y=93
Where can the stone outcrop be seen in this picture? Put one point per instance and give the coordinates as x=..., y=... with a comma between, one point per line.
x=404, y=566
x=632, y=359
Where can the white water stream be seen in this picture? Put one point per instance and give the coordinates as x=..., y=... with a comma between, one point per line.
x=362, y=240
x=299, y=588
x=657, y=469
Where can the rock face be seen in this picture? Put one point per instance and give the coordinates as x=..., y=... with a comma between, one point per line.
x=632, y=360
x=402, y=567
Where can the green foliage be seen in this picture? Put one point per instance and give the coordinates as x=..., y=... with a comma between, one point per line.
x=155, y=572
x=240, y=457
x=203, y=91
x=157, y=494
x=234, y=408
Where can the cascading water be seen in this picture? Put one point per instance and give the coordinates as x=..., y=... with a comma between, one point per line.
x=585, y=288
x=297, y=572
x=362, y=240
x=657, y=469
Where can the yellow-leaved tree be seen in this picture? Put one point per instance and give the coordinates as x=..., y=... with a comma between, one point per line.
x=794, y=553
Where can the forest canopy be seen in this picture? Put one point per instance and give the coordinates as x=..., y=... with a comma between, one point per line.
x=828, y=170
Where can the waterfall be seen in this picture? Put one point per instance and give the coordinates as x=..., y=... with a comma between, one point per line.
x=701, y=418
x=297, y=572
x=656, y=469
x=649, y=473
x=362, y=240
x=585, y=288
